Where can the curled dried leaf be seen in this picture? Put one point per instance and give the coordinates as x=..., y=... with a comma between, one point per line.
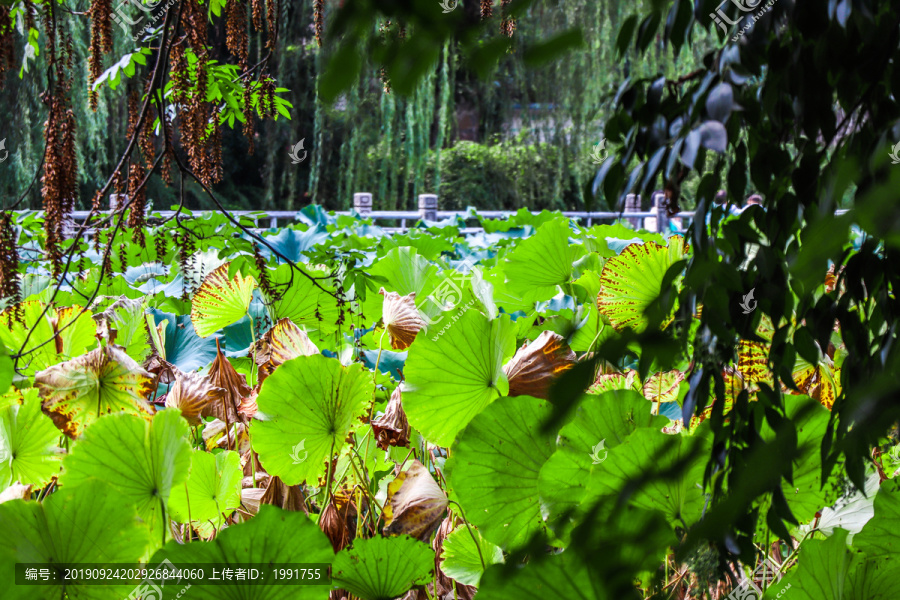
x=191, y=393
x=401, y=318
x=16, y=491
x=415, y=503
x=445, y=584
x=392, y=428
x=222, y=374
x=536, y=365
x=248, y=407
x=334, y=523
x=284, y=496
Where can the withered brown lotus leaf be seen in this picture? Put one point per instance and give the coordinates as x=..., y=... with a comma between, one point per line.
x=79, y=391
x=444, y=583
x=191, y=393
x=279, y=345
x=401, y=318
x=415, y=503
x=536, y=365
x=334, y=523
x=222, y=374
x=392, y=428
x=248, y=407
x=16, y=491
x=283, y=496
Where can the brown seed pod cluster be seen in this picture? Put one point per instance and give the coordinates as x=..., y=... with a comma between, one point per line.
x=9, y=263
x=265, y=282
x=199, y=123
x=508, y=24
x=7, y=43
x=272, y=21
x=249, y=128
x=60, y=179
x=319, y=19
x=236, y=29
x=137, y=193
x=100, y=13
x=256, y=10
x=487, y=9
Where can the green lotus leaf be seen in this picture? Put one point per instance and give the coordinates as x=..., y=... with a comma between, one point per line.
x=6, y=372
x=495, y=465
x=555, y=576
x=805, y=496
x=273, y=536
x=126, y=317
x=213, y=488
x=305, y=304
x=544, y=260
x=455, y=371
x=608, y=418
x=143, y=461
x=382, y=568
x=645, y=452
x=28, y=443
x=178, y=344
x=830, y=570
x=79, y=391
x=462, y=559
x=312, y=400
x=86, y=523
x=220, y=301
x=633, y=280
x=878, y=539
x=69, y=329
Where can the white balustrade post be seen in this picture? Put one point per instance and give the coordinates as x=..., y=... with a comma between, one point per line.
x=362, y=203
x=428, y=206
x=633, y=204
